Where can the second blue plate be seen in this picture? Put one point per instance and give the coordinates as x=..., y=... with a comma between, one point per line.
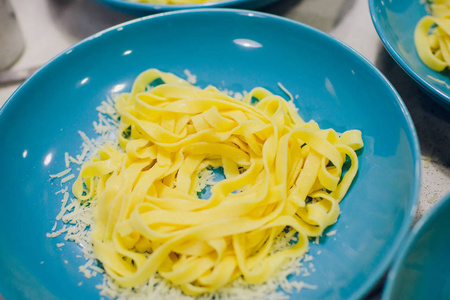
x=142, y=9
x=395, y=22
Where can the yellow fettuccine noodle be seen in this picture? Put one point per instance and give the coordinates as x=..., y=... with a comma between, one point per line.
x=281, y=172
x=432, y=36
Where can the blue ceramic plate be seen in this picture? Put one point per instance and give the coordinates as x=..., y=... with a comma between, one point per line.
x=422, y=270
x=237, y=50
x=395, y=22
x=142, y=9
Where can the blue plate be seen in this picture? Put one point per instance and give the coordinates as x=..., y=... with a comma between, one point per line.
x=395, y=22
x=142, y=9
x=422, y=270
x=237, y=50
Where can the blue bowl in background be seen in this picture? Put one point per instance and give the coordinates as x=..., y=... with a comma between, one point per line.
x=142, y=9
x=395, y=22
x=422, y=270
x=237, y=50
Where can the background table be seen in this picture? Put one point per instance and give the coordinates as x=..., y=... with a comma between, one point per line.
x=51, y=26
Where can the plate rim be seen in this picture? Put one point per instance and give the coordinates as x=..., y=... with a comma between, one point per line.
x=439, y=96
x=141, y=8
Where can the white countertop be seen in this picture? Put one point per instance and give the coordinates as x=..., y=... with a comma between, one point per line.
x=51, y=26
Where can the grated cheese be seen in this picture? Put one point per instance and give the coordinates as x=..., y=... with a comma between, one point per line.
x=238, y=95
x=66, y=159
x=192, y=79
x=63, y=190
x=331, y=233
x=206, y=178
x=307, y=258
x=67, y=178
x=61, y=174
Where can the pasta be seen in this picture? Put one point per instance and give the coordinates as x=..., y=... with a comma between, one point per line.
x=432, y=36
x=176, y=2
x=281, y=174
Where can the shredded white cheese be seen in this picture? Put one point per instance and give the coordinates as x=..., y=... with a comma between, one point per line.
x=331, y=233
x=61, y=174
x=66, y=159
x=192, y=79
x=67, y=178
x=307, y=258
x=206, y=178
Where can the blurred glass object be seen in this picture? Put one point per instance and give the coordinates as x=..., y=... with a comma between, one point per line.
x=12, y=42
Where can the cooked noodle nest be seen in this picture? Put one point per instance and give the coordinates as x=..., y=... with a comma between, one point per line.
x=283, y=176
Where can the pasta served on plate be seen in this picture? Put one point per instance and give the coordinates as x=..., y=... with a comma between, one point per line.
x=432, y=36
x=157, y=209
